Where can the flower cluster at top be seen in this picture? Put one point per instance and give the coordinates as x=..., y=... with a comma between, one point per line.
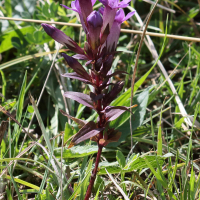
x=102, y=29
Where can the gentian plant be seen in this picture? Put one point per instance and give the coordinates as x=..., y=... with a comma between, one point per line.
x=102, y=29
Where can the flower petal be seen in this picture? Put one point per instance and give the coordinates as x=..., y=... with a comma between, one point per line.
x=129, y=15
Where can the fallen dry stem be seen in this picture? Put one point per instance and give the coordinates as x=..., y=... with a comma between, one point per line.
x=176, y=37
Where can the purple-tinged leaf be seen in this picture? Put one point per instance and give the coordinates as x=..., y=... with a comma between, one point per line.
x=95, y=97
x=62, y=38
x=88, y=62
x=104, y=34
x=109, y=97
x=113, y=112
x=114, y=74
x=105, y=83
x=78, y=121
x=110, y=136
x=76, y=76
x=80, y=97
x=86, y=132
x=98, y=64
x=80, y=57
x=76, y=66
x=88, y=50
x=107, y=64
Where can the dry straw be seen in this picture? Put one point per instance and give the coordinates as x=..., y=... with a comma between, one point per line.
x=176, y=37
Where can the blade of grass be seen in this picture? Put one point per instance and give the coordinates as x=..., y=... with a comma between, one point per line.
x=117, y=186
x=24, y=183
x=20, y=105
x=25, y=159
x=14, y=183
x=3, y=85
x=24, y=58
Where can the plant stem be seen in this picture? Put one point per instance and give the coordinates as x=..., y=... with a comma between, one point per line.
x=100, y=124
x=94, y=173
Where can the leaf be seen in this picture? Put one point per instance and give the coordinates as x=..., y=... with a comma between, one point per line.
x=113, y=112
x=23, y=183
x=78, y=121
x=80, y=97
x=62, y=38
x=45, y=10
x=121, y=159
x=20, y=105
x=68, y=133
x=8, y=7
x=54, y=9
x=86, y=132
x=79, y=151
x=122, y=122
x=111, y=135
x=76, y=66
x=115, y=73
x=5, y=39
x=156, y=174
x=74, y=75
x=38, y=36
x=109, y=97
x=16, y=43
x=134, y=164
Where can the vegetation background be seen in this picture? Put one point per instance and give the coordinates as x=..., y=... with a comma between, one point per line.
x=164, y=160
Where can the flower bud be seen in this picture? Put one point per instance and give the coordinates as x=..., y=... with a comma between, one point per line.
x=94, y=24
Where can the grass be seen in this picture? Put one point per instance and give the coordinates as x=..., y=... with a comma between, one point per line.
x=163, y=162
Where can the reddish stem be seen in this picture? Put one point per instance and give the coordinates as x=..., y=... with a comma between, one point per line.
x=100, y=124
x=94, y=173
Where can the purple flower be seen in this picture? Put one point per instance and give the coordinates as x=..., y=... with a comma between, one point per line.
x=94, y=24
x=115, y=3
x=74, y=6
x=109, y=13
x=112, y=39
x=62, y=38
x=83, y=8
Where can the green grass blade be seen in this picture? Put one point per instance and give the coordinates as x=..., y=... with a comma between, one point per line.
x=20, y=105
x=14, y=184
x=3, y=85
